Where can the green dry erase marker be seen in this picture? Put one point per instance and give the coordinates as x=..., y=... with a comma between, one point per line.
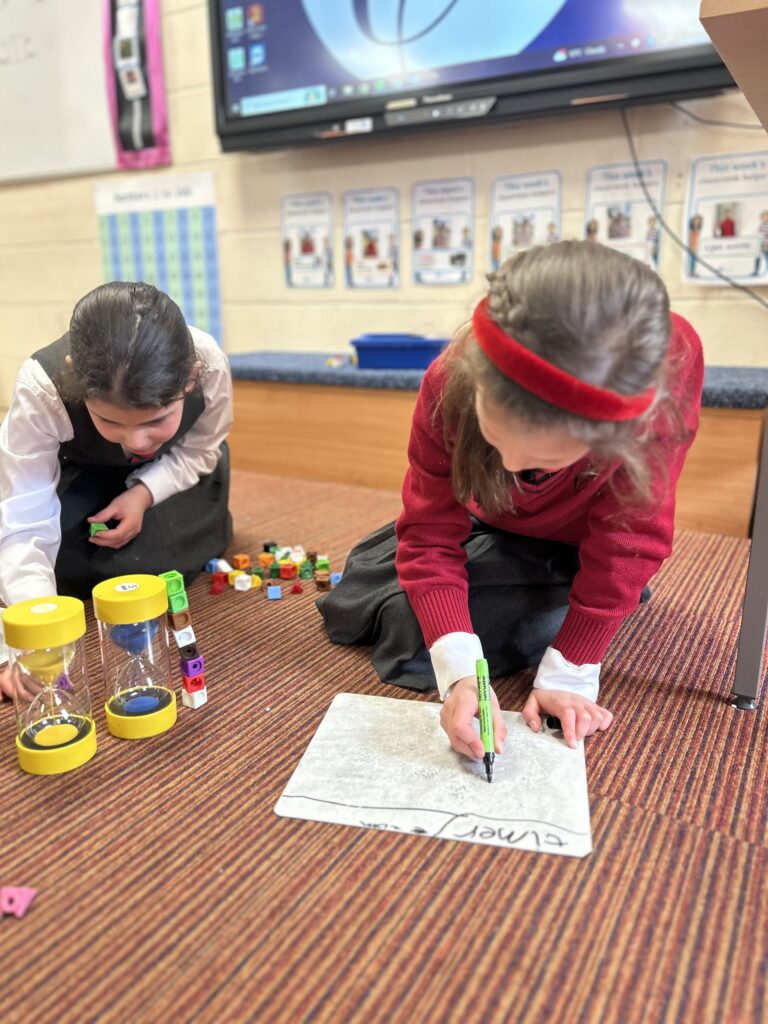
x=485, y=715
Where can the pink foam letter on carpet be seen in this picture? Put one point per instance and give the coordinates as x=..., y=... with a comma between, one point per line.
x=15, y=899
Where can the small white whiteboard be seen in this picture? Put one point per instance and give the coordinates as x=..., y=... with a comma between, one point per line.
x=383, y=763
x=54, y=114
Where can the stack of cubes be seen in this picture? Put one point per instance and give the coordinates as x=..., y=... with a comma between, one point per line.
x=192, y=664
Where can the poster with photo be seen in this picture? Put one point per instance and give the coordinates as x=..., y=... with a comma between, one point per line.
x=307, y=240
x=618, y=213
x=525, y=211
x=726, y=219
x=443, y=227
x=371, y=238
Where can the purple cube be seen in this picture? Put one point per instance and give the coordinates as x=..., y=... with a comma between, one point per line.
x=192, y=666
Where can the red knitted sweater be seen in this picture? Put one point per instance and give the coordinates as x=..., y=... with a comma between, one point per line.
x=620, y=548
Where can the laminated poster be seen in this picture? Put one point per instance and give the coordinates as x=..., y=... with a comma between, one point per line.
x=307, y=233
x=442, y=222
x=726, y=219
x=618, y=213
x=525, y=211
x=162, y=230
x=371, y=238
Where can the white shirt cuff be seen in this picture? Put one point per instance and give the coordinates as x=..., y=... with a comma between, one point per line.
x=454, y=656
x=555, y=673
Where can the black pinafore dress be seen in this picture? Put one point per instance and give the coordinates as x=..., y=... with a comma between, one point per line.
x=183, y=532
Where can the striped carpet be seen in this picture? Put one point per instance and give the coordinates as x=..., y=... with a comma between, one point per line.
x=168, y=891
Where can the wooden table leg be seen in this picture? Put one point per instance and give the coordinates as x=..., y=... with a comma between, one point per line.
x=754, y=618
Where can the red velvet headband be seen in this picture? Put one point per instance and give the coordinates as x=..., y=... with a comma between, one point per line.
x=549, y=382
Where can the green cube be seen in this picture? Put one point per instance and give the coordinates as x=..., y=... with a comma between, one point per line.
x=178, y=602
x=94, y=528
x=174, y=583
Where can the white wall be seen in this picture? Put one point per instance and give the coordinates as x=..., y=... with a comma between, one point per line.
x=49, y=248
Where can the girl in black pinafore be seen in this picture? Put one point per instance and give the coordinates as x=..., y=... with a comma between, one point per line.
x=122, y=420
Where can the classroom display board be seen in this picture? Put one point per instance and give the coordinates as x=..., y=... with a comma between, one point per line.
x=82, y=86
x=164, y=233
x=383, y=763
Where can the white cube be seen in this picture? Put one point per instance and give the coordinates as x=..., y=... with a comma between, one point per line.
x=184, y=637
x=194, y=700
x=243, y=582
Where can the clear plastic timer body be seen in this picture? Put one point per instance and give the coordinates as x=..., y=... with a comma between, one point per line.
x=133, y=640
x=55, y=731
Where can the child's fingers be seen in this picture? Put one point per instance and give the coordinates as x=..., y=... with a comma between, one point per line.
x=110, y=512
x=531, y=715
x=585, y=723
x=464, y=733
x=499, y=730
x=606, y=717
x=466, y=749
x=6, y=682
x=568, y=725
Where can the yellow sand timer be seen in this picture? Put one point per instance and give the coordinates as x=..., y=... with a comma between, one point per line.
x=46, y=654
x=134, y=655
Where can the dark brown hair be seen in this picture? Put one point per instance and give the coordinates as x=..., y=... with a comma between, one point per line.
x=596, y=313
x=129, y=345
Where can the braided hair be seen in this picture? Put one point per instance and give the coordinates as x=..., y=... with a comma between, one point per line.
x=596, y=313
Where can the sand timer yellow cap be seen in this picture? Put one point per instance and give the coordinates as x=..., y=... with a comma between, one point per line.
x=134, y=654
x=55, y=730
x=126, y=599
x=44, y=622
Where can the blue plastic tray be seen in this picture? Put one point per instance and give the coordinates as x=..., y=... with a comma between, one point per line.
x=397, y=351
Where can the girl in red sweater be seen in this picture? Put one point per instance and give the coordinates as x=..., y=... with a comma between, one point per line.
x=545, y=448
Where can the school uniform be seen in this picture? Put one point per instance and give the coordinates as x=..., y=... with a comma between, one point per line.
x=546, y=583
x=56, y=470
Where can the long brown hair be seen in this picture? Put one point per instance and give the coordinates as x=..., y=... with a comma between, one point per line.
x=596, y=313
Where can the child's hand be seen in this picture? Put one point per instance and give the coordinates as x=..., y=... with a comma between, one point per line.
x=128, y=508
x=457, y=712
x=579, y=717
x=6, y=683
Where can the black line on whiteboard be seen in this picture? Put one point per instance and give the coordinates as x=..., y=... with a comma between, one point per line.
x=429, y=810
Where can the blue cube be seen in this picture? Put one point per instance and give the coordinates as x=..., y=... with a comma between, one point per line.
x=274, y=593
x=336, y=578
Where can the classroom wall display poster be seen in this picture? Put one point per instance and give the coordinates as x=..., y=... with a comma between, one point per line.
x=163, y=231
x=443, y=222
x=371, y=238
x=307, y=233
x=525, y=211
x=726, y=218
x=618, y=213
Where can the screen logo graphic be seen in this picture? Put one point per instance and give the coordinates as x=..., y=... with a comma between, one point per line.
x=377, y=38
